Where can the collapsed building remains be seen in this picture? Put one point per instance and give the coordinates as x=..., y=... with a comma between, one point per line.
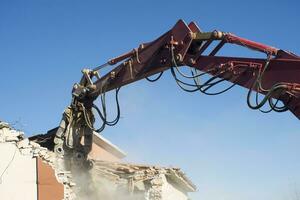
x=31, y=166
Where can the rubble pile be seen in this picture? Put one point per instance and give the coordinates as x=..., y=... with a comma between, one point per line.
x=143, y=182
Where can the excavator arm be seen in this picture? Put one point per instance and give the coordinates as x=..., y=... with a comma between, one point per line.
x=277, y=76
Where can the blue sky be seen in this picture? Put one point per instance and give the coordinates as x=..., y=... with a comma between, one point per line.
x=229, y=151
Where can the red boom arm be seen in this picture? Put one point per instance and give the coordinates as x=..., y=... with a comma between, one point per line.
x=184, y=45
x=277, y=78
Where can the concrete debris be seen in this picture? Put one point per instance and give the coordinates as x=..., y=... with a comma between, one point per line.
x=23, y=144
x=4, y=125
x=144, y=182
x=7, y=134
x=143, y=172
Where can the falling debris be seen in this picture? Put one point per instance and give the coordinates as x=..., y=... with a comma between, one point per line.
x=28, y=164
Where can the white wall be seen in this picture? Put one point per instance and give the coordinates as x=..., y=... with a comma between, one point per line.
x=169, y=192
x=19, y=180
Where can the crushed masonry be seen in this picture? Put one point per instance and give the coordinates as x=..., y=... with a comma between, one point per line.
x=105, y=180
x=138, y=173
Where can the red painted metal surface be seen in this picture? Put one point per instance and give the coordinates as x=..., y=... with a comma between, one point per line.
x=230, y=38
x=155, y=57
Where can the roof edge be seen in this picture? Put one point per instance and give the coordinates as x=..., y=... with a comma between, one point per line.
x=107, y=145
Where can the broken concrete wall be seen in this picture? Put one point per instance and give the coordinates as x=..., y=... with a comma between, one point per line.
x=18, y=174
x=170, y=191
x=21, y=178
x=51, y=175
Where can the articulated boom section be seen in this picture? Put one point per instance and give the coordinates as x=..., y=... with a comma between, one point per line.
x=277, y=77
